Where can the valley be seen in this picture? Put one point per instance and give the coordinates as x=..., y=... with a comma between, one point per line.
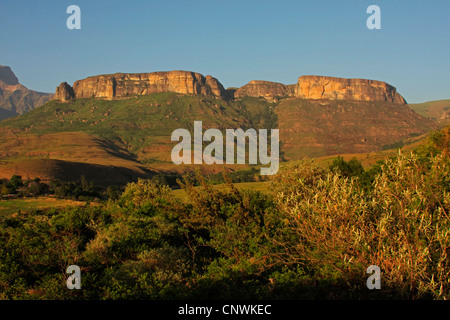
x=117, y=128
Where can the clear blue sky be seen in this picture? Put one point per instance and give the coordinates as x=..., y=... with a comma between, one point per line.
x=234, y=41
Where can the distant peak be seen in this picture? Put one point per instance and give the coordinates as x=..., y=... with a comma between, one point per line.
x=8, y=76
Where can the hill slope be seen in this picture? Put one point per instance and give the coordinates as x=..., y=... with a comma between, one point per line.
x=131, y=135
x=438, y=111
x=316, y=128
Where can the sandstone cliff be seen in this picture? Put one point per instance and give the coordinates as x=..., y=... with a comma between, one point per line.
x=121, y=85
x=64, y=92
x=331, y=88
x=326, y=88
x=266, y=89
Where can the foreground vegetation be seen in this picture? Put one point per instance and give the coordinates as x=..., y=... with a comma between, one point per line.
x=313, y=237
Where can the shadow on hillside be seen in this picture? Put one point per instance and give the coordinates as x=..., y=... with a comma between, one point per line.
x=116, y=151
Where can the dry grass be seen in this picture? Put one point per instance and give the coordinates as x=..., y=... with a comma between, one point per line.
x=23, y=205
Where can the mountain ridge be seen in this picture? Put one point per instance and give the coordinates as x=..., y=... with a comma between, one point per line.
x=15, y=98
x=123, y=122
x=123, y=85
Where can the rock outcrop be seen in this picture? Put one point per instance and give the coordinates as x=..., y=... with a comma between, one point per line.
x=121, y=85
x=326, y=88
x=16, y=98
x=265, y=89
x=7, y=76
x=64, y=92
x=331, y=88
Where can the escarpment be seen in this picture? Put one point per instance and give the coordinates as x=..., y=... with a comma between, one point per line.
x=122, y=85
x=331, y=88
x=326, y=88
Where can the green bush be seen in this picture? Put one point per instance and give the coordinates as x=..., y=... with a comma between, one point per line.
x=335, y=230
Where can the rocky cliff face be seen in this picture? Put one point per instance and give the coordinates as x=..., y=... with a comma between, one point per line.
x=16, y=98
x=331, y=88
x=266, y=89
x=326, y=88
x=121, y=85
x=64, y=92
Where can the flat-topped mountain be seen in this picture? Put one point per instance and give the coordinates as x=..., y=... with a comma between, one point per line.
x=122, y=85
x=15, y=98
x=326, y=88
x=331, y=88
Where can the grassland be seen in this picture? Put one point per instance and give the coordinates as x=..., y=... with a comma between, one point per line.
x=438, y=110
x=23, y=205
x=256, y=186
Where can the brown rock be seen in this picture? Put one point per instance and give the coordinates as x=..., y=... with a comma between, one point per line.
x=331, y=88
x=16, y=98
x=216, y=87
x=265, y=89
x=7, y=76
x=121, y=85
x=64, y=92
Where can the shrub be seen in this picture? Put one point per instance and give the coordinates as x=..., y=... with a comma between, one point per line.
x=335, y=230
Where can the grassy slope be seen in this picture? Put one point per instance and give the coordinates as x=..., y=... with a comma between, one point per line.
x=132, y=133
x=319, y=128
x=10, y=207
x=436, y=110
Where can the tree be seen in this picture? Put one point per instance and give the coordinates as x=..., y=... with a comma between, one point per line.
x=14, y=183
x=352, y=168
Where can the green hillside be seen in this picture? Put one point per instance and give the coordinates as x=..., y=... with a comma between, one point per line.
x=134, y=133
x=438, y=110
x=123, y=139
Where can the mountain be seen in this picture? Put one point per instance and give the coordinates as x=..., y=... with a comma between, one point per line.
x=326, y=88
x=118, y=127
x=123, y=85
x=438, y=111
x=16, y=98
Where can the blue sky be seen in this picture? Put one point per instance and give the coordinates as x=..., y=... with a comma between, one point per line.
x=234, y=41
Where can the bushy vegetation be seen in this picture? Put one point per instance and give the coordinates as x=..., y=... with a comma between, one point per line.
x=314, y=237
x=83, y=190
